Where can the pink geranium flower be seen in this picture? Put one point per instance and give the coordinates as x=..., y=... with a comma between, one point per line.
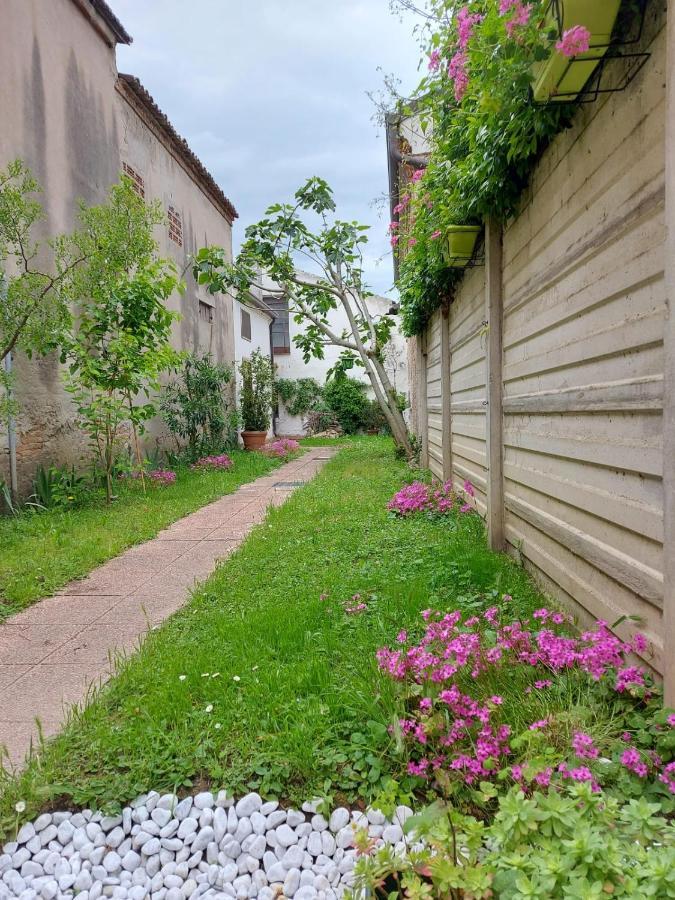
x=575, y=40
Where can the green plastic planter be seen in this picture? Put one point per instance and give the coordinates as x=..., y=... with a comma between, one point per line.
x=561, y=79
x=460, y=244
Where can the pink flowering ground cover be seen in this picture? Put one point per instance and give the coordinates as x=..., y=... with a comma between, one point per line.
x=281, y=447
x=219, y=461
x=432, y=499
x=491, y=697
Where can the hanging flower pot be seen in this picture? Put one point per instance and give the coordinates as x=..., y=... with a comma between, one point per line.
x=562, y=77
x=460, y=244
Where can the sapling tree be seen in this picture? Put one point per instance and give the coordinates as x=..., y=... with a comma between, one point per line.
x=120, y=343
x=335, y=248
x=34, y=277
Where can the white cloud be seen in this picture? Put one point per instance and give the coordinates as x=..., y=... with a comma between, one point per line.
x=268, y=93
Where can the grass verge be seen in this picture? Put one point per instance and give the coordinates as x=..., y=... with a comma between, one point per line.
x=42, y=551
x=261, y=683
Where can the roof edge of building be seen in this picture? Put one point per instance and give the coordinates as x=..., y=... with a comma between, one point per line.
x=131, y=84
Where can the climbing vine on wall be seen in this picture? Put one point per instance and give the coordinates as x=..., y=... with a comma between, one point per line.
x=487, y=134
x=299, y=396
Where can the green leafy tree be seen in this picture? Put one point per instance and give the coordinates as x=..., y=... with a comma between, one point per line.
x=194, y=405
x=334, y=247
x=256, y=391
x=120, y=343
x=35, y=277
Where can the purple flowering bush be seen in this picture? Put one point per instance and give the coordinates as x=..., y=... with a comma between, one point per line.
x=489, y=698
x=220, y=461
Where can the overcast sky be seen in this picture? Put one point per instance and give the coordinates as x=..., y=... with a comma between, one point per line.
x=269, y=92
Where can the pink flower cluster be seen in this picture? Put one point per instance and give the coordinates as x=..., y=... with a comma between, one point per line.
x=433, y=498
x=583, y=746
x=357, y=605
x=459, y=73
x=518, y=13
x=281, y=447
x=574, y=41
x=222, y=461
x=465, y=25
x=162, y=476
x=466, y=737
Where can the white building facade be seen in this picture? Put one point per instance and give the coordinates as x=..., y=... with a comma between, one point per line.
x=273, y=330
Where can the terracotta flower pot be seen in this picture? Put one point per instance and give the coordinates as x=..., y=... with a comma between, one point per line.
x=253, y=440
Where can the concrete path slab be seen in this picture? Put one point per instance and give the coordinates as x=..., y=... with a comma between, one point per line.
x=54, y=652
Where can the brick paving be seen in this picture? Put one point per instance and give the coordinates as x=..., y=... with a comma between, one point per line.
x=54, y=652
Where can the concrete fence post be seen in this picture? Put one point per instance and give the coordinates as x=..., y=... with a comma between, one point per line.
x=446, y=392
x=422, y=415
x=494, y=316
x=669, y=382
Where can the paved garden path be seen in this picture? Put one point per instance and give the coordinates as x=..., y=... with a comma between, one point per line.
x=53, y=652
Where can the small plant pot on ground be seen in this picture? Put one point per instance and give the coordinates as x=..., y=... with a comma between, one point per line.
x=460, y=244
x=559, y=78
x=254, y=440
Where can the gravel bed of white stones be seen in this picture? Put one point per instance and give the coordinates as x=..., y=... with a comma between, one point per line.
x=209, y=846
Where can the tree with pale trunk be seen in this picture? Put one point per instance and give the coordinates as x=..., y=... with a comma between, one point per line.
x=335, y=249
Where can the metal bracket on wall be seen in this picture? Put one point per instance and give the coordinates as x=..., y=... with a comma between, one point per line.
x=597, y=83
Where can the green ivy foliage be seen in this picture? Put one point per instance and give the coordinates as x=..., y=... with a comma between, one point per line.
x=486, y=140
x=300, y=395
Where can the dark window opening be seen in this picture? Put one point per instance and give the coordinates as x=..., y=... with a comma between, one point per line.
x=136, y=179
x=281, y=338
x=175, y=226
x=205, y=312
x=245, y=325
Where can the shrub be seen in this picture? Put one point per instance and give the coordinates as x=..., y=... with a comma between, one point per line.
x=346, y=397
x=194, y=407
x=58, y=488
x=256, y=391
x=374, y=419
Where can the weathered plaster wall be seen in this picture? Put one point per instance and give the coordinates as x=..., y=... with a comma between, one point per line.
x=57, y=113
x=207, y=320
x=581, y=369
x=61, y=113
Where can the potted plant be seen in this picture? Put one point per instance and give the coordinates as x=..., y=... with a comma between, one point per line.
x=460, y=244
x=561, y=77
x=256, y=399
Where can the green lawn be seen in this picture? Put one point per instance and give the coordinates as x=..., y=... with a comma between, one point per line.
x=259, y=682
x=42, y=551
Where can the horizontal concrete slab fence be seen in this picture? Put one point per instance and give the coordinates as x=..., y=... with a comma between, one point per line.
x=542, y=382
